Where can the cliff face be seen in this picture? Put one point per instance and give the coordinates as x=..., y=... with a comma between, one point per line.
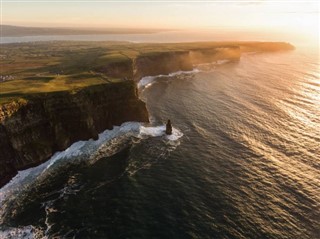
x=199, y=56
x=31, y=131
x=161, y=63
x=167, y=62
x=266, y=46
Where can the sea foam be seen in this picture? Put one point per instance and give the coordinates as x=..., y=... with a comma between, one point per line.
x=147, y=81
x=160, y=131
x=108, y=143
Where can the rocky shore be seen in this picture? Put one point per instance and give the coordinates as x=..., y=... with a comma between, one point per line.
x=32, y=131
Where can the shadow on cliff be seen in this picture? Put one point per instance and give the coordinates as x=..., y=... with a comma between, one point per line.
x=32, y=130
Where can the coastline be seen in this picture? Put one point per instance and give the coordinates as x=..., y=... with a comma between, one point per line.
x=33, y=129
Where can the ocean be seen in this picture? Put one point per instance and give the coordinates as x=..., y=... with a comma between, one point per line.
x=243, y=161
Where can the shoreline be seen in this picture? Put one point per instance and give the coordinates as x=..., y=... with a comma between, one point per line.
x=32, y=130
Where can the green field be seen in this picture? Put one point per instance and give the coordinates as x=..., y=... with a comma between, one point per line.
x=28, y=68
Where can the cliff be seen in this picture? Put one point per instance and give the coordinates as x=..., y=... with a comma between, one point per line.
x=161, y=63
x=151, y=64
x=32, y=130
x=199, y=56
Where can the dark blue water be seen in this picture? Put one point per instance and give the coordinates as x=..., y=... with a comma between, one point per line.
x=247, y=165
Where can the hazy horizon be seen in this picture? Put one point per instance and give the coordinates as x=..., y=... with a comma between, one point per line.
x=159, y=119
x=297, y=19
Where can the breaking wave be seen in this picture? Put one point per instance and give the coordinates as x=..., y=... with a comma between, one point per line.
x=109, y=143
x=149, y=80
x=160, y=131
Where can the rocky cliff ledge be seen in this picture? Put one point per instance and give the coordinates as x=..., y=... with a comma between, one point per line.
x=32, y=130
x=163, y=63
x=159, y=61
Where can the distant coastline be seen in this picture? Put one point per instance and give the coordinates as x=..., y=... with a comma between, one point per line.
x=17, y=34
x=21, y=31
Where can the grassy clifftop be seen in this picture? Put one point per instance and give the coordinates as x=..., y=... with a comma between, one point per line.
x=28, y=68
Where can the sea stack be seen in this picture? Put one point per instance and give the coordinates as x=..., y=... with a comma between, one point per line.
x=168, y=128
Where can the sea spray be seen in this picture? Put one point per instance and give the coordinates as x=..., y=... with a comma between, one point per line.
x=147, y=81
x=159, y=131
x=108, y=143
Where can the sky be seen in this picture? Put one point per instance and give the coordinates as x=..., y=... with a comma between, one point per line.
x=296, y=17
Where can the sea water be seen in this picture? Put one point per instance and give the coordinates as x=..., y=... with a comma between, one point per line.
x=243, y=162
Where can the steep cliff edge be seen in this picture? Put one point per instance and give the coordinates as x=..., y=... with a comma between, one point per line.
x=161, y=63
x=32, y=130
x=158, y=61
x=164, y=63
x=199, y=56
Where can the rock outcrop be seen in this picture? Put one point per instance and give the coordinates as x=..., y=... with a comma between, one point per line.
x=169, y=128
x=32, y=131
